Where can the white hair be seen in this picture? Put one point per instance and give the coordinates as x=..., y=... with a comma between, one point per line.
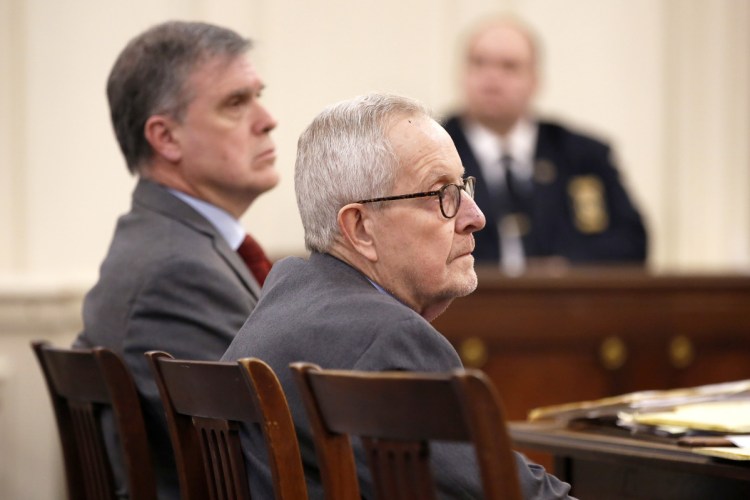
x=344, y=156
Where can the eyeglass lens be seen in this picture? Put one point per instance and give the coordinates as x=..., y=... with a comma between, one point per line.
x=450, y=197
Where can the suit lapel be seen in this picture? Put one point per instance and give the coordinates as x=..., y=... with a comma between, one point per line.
x=157, y=198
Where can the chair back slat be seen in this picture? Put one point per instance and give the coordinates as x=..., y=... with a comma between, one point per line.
x=205, y=403
x=98, y=482
x=81, y=383
x=210, y=460
x=396, y=415
x=220, y=444
x=400, y=469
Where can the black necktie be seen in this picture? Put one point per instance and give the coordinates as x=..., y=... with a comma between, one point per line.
x=517, y=199
x=511, y=184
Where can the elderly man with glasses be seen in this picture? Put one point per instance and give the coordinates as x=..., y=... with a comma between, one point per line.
x=389, y=220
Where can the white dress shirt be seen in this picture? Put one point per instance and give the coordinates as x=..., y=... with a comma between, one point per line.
x=489, y=147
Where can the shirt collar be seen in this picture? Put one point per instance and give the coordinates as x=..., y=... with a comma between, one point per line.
x=382, y=290
x=227, y=226
x=488, y=147
x=522, y=139
x=378, y=287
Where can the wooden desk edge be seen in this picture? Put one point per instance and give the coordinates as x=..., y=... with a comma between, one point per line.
x=562, y=443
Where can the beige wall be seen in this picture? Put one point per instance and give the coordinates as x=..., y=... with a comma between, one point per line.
x=707, y=105
x=665, y=81
x=30, y=456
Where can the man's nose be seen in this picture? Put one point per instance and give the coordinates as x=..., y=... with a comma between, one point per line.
x=265, y=122
x=469, y=218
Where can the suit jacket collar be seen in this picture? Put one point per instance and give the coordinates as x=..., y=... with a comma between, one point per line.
x=152, y=196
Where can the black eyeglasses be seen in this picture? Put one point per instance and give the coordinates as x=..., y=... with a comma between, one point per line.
x=449, y=196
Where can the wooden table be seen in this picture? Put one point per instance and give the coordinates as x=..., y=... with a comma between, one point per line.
x=611, y=464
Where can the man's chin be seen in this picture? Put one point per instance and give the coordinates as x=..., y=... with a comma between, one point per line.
x=472, y=285
x=466, y=283
x=266, y=180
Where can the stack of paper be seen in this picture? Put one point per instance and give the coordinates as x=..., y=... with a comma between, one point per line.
x=709, y=410
x=729, y=417
x=643, y=401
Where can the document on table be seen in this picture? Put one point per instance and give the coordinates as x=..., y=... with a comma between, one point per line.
x=725, y=452
x=643, y=401
x=741, y=452
x=730, y=417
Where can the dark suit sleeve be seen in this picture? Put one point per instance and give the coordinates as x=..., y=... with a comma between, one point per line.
x=414, y=345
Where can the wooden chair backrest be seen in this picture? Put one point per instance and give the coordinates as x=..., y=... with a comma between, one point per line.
x=80, y=382
x=205, y=403
x=396, y=414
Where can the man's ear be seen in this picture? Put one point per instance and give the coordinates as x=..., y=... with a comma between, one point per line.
x=160, y=133
x=356, y=225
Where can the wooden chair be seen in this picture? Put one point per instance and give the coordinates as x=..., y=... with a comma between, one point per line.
x=80, y=384
x=396, y=414
x=205, y=402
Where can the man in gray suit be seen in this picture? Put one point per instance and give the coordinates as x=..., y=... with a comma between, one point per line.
x=184, y=102
x=389, y=219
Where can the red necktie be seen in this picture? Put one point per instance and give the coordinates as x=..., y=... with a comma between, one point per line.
x=255, y=258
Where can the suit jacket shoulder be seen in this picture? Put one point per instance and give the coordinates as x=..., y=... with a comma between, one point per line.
x=163, y=248
x=578, y=153
x=323, y=301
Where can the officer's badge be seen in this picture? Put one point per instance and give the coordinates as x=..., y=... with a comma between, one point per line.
x=589, y=206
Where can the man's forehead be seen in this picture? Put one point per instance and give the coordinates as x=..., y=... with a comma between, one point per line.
x=413, y=130
x=223, y=75
x=502, y=37
x=220, y=64
x=426, y=152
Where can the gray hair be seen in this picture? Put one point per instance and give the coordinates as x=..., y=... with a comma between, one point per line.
x=343, y=156
x=150, y=77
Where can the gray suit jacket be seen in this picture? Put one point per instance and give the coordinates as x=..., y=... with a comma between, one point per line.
x=169, y=282
x=326, y=312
